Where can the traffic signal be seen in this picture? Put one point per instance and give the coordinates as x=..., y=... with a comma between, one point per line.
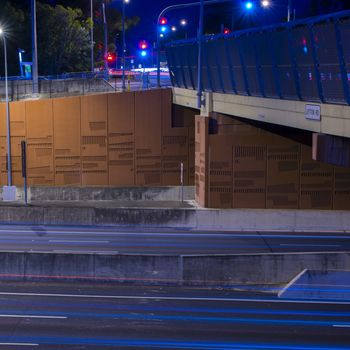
x=249, y=5
x=226, y=31
x=111, y=59
x=163, y=21
x=143, y=46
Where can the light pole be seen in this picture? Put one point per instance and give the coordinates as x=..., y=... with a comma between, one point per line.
x=124, y=44
x=289, y=13
x=9, y=166
x=92, y=35
x=34, y=49
x=200, y=34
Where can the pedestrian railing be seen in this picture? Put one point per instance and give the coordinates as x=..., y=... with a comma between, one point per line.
x=303, y=60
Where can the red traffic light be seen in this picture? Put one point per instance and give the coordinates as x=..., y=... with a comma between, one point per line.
x=163, y=21
x=226, y=31
x=111, y=57
x=143, y=45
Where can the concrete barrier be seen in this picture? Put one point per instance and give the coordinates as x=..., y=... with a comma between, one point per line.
x=70, y=213
x=203, y=270
x=164, y=193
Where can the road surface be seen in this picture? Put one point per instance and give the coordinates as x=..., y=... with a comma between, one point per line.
x=63, y=316
x=163, y=241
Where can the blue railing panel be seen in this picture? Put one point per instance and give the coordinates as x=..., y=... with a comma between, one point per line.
x=305, y=60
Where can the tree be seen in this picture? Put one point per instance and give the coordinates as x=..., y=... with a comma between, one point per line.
x=63, y=39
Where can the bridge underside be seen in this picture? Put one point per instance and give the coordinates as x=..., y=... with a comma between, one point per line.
x=247, y=157
x=331, y=128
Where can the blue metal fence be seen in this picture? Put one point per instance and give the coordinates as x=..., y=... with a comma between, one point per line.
x=302, y=60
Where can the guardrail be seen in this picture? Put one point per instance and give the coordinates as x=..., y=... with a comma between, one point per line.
x=302, y=60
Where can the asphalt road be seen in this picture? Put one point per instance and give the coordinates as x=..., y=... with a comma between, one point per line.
x=63, y=316
x=162, y=241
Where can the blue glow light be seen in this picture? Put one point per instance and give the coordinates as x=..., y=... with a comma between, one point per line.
x=143, y=53
x=163, y=29
x=249, y=5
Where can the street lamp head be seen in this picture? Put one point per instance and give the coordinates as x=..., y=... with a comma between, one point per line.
x=126, y=1
x=265, y=3
x=1, y=31
x=183, y=22
x=173, y=28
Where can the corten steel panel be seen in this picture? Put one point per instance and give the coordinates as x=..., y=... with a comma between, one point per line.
x=66, y=113
x=174, y=145
x=341, y=197
x=201, y=160
x=249, y=172
x=316, y=182
x=17, y=119
x=283, y=174
x=94, y=140
x=39, y=130
x=121, y=142
x=191, y=155
x=220, y=171
x=148, y=132
x=15, y=160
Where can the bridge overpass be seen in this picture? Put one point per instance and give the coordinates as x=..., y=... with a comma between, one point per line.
x=295, y=75
x=279, y=102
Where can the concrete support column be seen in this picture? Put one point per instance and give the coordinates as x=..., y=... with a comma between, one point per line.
x=202, y=160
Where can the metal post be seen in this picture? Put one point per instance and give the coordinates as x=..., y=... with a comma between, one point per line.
x=200, y=39
x=124, y=45
x=158, y=56
x=8, y=134
x=34, y=49
x=289, y=11
x=182, y=181
x=92, y=36
x=105, y=39
x=24, y=170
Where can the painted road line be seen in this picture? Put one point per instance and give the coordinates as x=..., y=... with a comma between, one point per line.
x=310, y=245
x=33, y=316
x=71, y=241
x=18, y=344
x=137, y=297
x=341, y=325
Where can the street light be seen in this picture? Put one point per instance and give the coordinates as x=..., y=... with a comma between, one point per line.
x=124, y=45
x=34, y=49
x=92, y=34
x=265, y=3
x=9, y=166
x=183, y=22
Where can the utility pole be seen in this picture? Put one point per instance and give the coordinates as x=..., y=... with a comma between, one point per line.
x=34, y=49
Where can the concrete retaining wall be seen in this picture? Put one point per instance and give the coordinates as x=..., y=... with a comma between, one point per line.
x=193, y=218
x=228, y=270
x=165, y=193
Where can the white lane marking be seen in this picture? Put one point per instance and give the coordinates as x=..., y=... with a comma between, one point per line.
x=310, y=245
x=18, y=344
x=189, y=234
x=71, y=241
x=33, y=316
x=136, y=297
x=66, y=251
x=342, y=325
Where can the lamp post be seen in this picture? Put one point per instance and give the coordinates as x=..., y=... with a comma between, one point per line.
x=201, y=3
x=34, y=49
x=92, y=34
x=9, y=166
x=289, y=11
x=124, y=44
